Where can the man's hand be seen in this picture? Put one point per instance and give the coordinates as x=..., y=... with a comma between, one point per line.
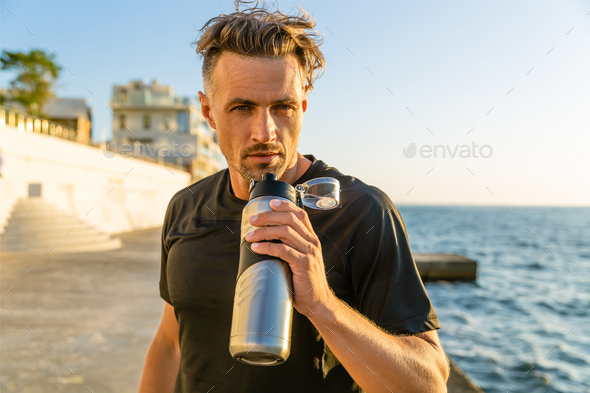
x=301, y=249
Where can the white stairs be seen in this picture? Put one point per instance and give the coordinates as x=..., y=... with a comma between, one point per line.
x=37, y=226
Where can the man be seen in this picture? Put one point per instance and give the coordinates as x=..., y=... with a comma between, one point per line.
x=362, y=318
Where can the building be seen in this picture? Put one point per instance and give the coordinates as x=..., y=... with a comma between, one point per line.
x=73, y=113
x=152, y=120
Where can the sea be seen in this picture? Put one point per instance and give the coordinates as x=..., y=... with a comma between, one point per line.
x=524, y=324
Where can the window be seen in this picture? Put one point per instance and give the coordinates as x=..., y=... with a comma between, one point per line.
x=146, y=122
x=182, y=123
x=122, y=124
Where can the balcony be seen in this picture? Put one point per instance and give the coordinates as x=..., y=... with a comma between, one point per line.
x=148, y=100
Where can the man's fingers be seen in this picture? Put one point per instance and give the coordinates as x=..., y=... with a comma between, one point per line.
x=286, y=215
x=279, y=250
x=290, y=207
x=283, y=232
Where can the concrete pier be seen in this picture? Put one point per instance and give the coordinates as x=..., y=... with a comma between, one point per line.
x=74, y=322
x=448, y=267
x=459, y=382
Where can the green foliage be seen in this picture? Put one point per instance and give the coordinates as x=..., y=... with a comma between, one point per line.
x=36, y=74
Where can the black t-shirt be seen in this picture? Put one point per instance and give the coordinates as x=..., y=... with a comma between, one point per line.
x=366, y=254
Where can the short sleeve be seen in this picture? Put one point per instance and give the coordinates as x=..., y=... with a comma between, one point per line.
x=388, y=288
x=164, y=294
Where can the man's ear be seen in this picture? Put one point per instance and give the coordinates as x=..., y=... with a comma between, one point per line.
x=304, y=101
x=206, y=109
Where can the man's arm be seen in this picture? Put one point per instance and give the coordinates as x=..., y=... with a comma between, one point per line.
x=376, y=360
x=163, y=357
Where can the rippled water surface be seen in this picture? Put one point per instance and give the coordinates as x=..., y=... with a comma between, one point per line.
x=524, y=324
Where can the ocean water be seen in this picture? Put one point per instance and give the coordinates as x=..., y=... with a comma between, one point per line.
x=524, y=325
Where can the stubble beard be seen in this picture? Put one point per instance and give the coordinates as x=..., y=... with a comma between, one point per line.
x=256, y=170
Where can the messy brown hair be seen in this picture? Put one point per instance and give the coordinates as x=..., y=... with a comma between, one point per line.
x=258, y=33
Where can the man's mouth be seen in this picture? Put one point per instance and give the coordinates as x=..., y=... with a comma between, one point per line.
x=264, y=156
x=268, y=153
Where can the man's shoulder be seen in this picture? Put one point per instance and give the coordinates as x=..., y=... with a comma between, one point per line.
x=358, y=196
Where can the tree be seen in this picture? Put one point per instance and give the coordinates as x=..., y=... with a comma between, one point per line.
x=33, y=84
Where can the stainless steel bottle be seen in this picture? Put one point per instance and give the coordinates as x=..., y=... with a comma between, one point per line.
x=263, y=302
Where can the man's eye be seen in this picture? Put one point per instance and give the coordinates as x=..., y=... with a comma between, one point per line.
x=286, y=107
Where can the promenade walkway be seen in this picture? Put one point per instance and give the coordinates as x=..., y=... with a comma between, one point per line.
x=93, y=316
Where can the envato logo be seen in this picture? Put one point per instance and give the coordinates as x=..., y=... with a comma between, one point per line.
x=462, y=151
x=157, y=150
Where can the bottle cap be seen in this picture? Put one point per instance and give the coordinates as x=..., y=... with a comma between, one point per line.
x=269, y=185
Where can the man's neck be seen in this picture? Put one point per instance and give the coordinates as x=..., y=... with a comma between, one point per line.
x=240, y=186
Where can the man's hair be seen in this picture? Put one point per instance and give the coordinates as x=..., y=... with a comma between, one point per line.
x=258, y=33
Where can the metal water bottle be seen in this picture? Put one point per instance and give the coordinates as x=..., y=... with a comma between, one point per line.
x=262, y=315
x=263, y=302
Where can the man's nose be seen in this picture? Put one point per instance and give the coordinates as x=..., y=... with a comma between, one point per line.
x=264, y=128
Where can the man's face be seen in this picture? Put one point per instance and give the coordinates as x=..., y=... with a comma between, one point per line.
x=258, y=109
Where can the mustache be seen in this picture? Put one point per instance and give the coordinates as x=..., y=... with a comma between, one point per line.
x=261, y=148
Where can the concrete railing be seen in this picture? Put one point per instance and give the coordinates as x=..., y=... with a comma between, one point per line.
x=23, y=121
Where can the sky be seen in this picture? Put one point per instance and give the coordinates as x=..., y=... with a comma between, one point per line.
x=501, y=87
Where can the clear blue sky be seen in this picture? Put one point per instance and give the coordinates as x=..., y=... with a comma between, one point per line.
x=447, y=63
